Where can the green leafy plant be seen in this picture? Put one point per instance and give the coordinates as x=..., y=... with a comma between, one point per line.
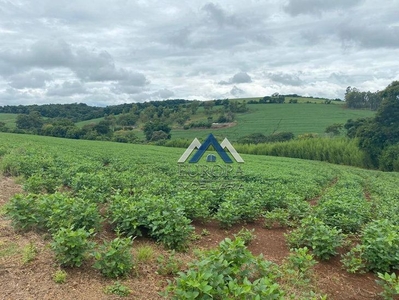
x=195, y=237
x=52, y=212
x=344, y=209
x=114, y=259
x=298, y=267
x=353, y=261
x=22, y=211
x=246, y=235
x=60, y=276
x=390, y=285
x=313, y=233
x=228, y=272
x=118, y=288
x=380, y=239
x=169, y=264
x=71, y=246
x=279, y=216
x=205, y=232
x=162, y=219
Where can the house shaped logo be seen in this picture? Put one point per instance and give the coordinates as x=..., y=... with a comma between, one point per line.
x=201, y=149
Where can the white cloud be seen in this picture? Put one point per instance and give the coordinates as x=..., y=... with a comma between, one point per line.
x=109, y=52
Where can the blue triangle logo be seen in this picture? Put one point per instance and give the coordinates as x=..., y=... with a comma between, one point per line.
x=210, y=140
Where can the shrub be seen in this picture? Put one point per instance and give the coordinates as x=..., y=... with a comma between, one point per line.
x=315, y=234
x=114, y=258
x=71, y=246
x=238, y=206
x=246, y=235
x=279, y=216
x=389, y=159
x=353, y=261
x=22, y=210
x=118, y=289
x=52, y=212
x=298, y=267
x=228, y=272
x=380, y=239
x=60, y=210
x=170, y=226
x=163, y=219
x=344, y=211
x=60, y=276
x=390, y=284
x=39, y=183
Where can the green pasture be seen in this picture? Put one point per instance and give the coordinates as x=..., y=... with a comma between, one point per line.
x=87, y=122
x=8, y=119
x=267, y=118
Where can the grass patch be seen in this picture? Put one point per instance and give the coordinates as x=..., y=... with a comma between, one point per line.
x=8, y=249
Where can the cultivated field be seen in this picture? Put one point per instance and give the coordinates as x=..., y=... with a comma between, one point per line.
x=68, y=232
x=296, y=118
x=8, y=119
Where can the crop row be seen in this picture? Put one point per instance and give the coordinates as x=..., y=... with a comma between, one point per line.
x=71, y=191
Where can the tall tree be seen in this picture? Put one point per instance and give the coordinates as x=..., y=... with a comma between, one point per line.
x=382, y=131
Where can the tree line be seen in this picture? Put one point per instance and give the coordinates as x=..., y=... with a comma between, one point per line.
x=119, y=122
x=362, y=100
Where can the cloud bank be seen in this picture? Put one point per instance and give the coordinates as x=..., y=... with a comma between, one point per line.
x=110, y=52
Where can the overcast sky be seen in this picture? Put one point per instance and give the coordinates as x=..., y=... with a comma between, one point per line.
x=110, y=52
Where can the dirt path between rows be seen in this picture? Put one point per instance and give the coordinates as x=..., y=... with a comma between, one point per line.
x=34, y=280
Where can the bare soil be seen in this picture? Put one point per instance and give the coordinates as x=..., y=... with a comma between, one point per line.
x=34, y=280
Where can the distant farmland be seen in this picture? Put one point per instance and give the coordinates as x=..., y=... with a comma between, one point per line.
x=266, y=118
x=8, y=119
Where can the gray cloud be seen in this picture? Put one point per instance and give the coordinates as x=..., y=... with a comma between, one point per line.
x=241, y=77
x=370, y=35
x=33, y=79
x=217, y=15
x=42, y=54
x=288, y=79
x=67, y=88
x=235, y=91
x=165, y=94
x=297, y=7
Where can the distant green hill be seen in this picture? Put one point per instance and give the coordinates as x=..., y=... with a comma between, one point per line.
x=308, y=115
x=266, y=118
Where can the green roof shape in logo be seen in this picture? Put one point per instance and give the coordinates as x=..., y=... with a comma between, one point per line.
x=201, y=148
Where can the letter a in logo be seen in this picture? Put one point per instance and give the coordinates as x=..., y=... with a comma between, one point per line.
x=210, y=140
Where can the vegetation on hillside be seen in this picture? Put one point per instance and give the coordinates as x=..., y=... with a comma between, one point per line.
x=75, y=189
x=376, y=137
x=379, y=136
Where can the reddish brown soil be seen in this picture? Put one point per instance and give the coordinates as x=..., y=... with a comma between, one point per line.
x=34, y=280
